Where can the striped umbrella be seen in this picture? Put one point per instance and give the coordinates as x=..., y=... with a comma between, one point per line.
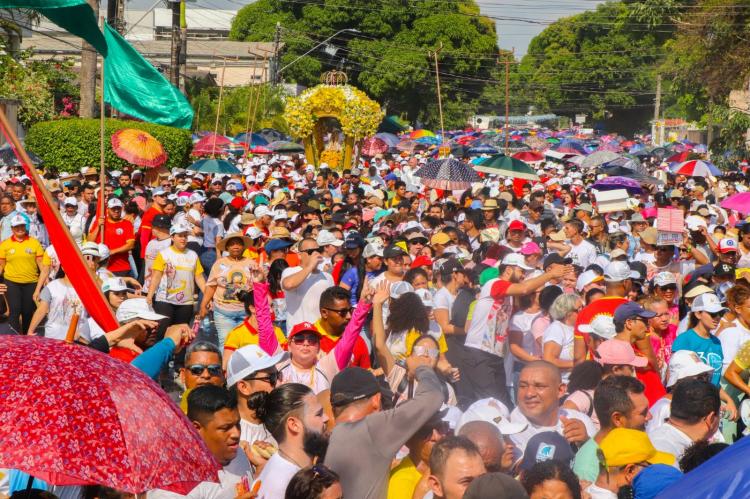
x=696, y=168
x=447, y=174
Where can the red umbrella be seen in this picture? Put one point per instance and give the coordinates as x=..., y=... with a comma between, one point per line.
x=529, y=156
x=373, y=146
x=679, y=157
x=261, y=150
x=70, y=415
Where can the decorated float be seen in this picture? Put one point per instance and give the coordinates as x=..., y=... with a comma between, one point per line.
x=331, y=118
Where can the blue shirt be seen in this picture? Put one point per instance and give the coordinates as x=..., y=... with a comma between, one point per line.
x=351, y=279
x=708, y=350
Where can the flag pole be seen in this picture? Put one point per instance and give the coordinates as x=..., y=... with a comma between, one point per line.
x=102, y=172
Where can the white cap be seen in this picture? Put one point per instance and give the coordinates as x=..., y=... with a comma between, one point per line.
x=103, y=251
x=619, y=271
x=516, y=259
x=664, y=279
x=196, y=198
x=707, y=302
x=373, y=250
x=115, y=284
x=253, y=232
x=586, y=278
x=614, y=227
x=136, y=308
x=399, y=288
x=114, y=203
x=70, y=201
x=326, y=237
x=261, y=211
x=158, y=192
x=247, y=360
x=18, y=220
x=685, y=363
x=425, y=296
x=491, y=411
x=280, y=215
x=250, y=179
x=179, y=228
x=90, y=249
x=694, y=222
x=602, y=325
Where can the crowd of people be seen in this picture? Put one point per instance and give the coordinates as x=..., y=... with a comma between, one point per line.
x=356, y=334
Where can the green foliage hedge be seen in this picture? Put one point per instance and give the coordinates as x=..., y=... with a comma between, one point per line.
x=70, y=144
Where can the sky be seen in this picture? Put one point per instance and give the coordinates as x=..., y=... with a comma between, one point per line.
x=517, y=21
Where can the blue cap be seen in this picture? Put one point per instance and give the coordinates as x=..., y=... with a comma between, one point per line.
x=390, y=176
x=631, y=309
x=354, y=240
x=276, y=244
x=650, y=482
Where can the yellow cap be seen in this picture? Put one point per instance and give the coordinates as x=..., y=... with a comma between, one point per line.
x=624, y=446
x=440, y=238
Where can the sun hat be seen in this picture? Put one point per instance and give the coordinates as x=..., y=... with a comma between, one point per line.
x=221, y=245
x=247, y=360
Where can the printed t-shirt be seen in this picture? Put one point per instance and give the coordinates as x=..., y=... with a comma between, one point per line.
x=360, y=353
x=742, y=359
x=51, y=260
x=490, y=317
x=708, y=350
x=401, y=343
x=246, y=334
x=20, y=259
x=179, y=269
x=152, y=249
x=229, y=276
x=116, y=235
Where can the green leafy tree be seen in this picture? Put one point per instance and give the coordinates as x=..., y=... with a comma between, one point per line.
x=388, y=58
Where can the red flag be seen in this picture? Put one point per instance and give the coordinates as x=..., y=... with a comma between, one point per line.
x=70, y=256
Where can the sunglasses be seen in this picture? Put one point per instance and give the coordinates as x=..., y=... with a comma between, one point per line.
x=669, y=287
x=423, y=351
x=715, y=315
x=342, y=312
x=418, y=240
x=197, y=369
x=271, y=379
x=310, y=251
x=665, y=248
x=311, y=338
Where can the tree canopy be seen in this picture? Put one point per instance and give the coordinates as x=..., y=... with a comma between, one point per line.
x=388, y=56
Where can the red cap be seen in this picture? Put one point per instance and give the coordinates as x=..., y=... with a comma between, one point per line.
x=238, y=203
x=421, y=261
x=303, y=327
x=517, y=225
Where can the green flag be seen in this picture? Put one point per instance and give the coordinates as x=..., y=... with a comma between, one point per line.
x=75, y=16
x=133, y=86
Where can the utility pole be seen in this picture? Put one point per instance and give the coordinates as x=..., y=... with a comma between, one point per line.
x=275, y=65
x=434, y=54
x=87, y=106
x=183, y=45
x=174, y=63
x=657, y=111
x=507, y=96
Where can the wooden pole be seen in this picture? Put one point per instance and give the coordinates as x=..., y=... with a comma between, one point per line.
x=434, y=54
x=102, y=169
x=218, y=107
x=250, y=94
x=507, y=99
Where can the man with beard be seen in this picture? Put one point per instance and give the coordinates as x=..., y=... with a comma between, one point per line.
x=297, y=421
x=483, y=373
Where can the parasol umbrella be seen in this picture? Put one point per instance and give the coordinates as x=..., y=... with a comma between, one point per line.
x=598, y=158
x=260, y=150
x=659, y=152
x=610, y=146
x=611, y=183
x=639, y=175
x=739, y=202
x=430, y=141
x=529, y=156
x=695, y=168
x=482, y=149
x=419, y=134
x=506, y=166
x=388, y=138
x=70, y=415
x=570, y=146
x=212, y=144
x=138, y=147
x=636, y=148
x=464, y=139
x=448, y=174
x=372, y=146
x=253, y=139
x=285, y=146
x=537, y=143
x=272, y=135
x=410, y=146
x=679, y=157
x=214, y=166
x=9, y=159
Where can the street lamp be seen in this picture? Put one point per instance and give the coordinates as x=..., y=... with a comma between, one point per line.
x=350, y=30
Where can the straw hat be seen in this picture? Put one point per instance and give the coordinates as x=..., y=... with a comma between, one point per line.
x=233, y=235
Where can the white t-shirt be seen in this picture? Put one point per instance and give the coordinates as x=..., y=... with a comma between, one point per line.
x=667, y=438
x=584, y=254
x=521, y=439
x=195, y=215
x=63, y=302
x=229, y=477
x=443, y=299
x=275, y=477
x=251, y=433
x=732, y=338
x=153, y=248
x=75, y=225
x=314, y=378
x=562, y=334
x=488, y=329
x=303, y=302
x=660, y=411
x=521, y=322
x=596, y=492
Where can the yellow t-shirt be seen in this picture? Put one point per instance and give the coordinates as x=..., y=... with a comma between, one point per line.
x=403, y=480
x=179, y=268
x=245, y=334
x=742, y=359
x=20, y=259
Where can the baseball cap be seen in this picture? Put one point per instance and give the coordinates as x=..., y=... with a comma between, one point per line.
x=17, y=220
x=631, y=309
x=683, y=364
x=399, y=288
x=393, y=252
x=618, y=352
x=326, y=237
x=697, y=291
x=664, y=279
x=426, y=296
x=585, y=207
x=354, y=240
x=492, y=411
x=261, y=211
x=71, y=201
x=280, y=215
x=546, y=446
x=516, y=259
x=303, y=327
x=707, y=302
x=617, y=253
x=352, y=384
x=530, y=248
x=136, y=308
x=650, y=235
x=247, y=360
x=161, y=221
x=724, y=270
x=555, y=258
x=196, y=198
x=276, y=244
x=587, y=277
x=516, y=225
x=115, y=284
x=440, y=238
x=114, y=203
x=90, y=248
x=179, y=228
x=619, y=271
x=727, y=244
x=624, y=446
x=495, y=486
x=603, y=325
x=158, y=192
x=372, y=250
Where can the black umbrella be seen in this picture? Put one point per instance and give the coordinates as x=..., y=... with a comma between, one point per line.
x=621, y=171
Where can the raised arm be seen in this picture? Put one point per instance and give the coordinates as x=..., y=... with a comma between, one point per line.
x=266, y=334
x=385, y=357
x=345, y=345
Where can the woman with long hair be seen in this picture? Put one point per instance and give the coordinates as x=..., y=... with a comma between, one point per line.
x=213, y=231
x=276, y=293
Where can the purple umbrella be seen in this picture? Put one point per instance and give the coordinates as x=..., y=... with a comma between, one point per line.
x=612, y=183
x=739, y=202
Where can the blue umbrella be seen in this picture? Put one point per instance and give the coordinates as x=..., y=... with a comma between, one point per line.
x=388, y=138
x=483, y=149
x=214, y=166
x=252, y=139
x=430, y=141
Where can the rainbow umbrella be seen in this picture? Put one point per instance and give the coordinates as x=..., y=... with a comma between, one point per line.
x=419, y=134
x=138, y=147
x=696, y=168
